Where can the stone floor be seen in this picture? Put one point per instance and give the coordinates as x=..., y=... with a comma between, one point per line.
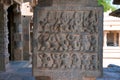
x=23, y=71
x=17, y=71
x=112, y=72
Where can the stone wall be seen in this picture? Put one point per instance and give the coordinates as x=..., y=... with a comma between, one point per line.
x=67, y=40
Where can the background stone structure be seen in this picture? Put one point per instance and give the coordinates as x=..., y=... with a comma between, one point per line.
x=3, y=39
x=26, y=37
x=67, y=39
x=4, y=22
x=4, y=56
x=15, y=32
x=27, y=16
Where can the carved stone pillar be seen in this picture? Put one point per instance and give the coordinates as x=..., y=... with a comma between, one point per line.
x=18, y=34
x=119, y=39
x=26, y=37
x=4, y=56
x=105, y=39
x=115, y=39
x=67, y=40
x=33, y=3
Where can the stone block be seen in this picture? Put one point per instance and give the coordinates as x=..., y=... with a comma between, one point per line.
x=67, y=41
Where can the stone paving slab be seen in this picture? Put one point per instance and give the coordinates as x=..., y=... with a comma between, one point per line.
x=19, y=71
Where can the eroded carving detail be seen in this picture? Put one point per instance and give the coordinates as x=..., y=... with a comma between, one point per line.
x=70, y=21
x=70, y=60
x=68, y=40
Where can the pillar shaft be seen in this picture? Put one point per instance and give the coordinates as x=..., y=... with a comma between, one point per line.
x=105, y=39
x=18, y=34
x=67, y=3
x=115, y=39
x=4, y=56
x=67, y=40
x=119, y=39
x=26, y=36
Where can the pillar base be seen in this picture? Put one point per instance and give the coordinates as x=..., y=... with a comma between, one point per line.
x=89, y=78
x=48, y=78
x=42, y=78
x=2, y=63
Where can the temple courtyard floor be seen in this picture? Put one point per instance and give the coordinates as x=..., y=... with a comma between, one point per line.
x=22, y=70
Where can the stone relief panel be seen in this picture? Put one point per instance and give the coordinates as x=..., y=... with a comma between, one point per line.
x=70, y=21
x=67, y=40
x=67, y=60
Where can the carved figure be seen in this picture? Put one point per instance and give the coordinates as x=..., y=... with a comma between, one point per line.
x=75, y=60
x=86, y=39
x=43, y=40
x=66, y=61
x=46, y=59
x=53, y=43
x=57, y=60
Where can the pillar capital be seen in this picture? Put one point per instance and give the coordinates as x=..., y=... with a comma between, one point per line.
x=67, y=2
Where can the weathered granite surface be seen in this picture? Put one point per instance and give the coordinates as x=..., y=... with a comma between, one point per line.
x=3, y=38
x=67, y=40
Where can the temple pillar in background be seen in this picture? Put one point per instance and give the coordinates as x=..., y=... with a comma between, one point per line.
x=4, y=55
